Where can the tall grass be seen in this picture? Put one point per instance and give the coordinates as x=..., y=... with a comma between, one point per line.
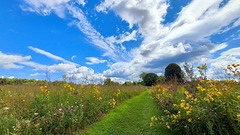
x=199, y=107
x=32, y=109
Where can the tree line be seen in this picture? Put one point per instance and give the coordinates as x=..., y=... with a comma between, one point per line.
x=173, y=73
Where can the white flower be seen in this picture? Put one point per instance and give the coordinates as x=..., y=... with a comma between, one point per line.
x=60, y=109
x=35, y=113
x=5, y=108
x=27, y=121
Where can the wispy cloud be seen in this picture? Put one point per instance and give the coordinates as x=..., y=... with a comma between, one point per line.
x=49, y=55
x=94, y=60
x=74, y=56
x=37, y=74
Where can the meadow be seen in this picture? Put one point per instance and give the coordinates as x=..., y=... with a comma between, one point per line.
x=200, y=106
x=48, y=109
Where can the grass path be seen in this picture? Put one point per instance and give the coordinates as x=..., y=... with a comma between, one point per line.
x=133, y=117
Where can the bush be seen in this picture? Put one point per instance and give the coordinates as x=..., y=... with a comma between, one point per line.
x=174, y=72
x=150, y=79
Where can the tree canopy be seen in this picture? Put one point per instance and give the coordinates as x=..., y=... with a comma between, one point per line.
x=174, y=72
x=150, y=79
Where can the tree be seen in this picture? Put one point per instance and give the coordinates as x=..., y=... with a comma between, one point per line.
x=142, y=75
x=161, y=79
x=174, y=72
x=108, y=81
x=150, y=79
x=189, y=71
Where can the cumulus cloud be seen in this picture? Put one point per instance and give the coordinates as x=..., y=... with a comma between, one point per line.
x=94, y=60
x=185, y=39
x=12, y=61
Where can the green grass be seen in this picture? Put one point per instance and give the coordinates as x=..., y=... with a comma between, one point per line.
x=132, y=117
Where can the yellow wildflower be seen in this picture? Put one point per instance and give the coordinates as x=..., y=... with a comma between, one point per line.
x=189, y=120
x=188, y=112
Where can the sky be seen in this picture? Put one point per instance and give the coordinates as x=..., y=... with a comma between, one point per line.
x=119, y=39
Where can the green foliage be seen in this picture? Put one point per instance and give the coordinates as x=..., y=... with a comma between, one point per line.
x=127, y=83
x=131, y=118
x=161, y=79
x=203, y=107
x=62, y=109
x=142, y=75
x=200, y=106
x=173, y=72
x=108, y=81
x=150, y=79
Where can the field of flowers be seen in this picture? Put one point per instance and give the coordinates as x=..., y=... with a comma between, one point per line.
x=199, y=107
x=32, y=109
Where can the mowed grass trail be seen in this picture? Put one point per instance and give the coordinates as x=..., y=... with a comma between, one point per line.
x=133, y=117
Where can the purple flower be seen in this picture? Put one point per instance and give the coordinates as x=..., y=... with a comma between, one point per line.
x=69, y=109
x=192, y=86
x=190, y=91
x=75, y=93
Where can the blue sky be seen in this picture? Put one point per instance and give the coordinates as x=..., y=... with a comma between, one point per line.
x=118, y=39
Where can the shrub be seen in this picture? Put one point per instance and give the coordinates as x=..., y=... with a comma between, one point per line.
x=173, y=71
x=150, y=79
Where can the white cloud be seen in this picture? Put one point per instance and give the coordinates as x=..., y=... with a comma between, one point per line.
x=219, y=47
x=185, y=39
x=74, y=56
x=147, y=14
x=9, y=61
x=11, y=77
x=45, y=7
x=50, y=55
x=122, y=38
x=94, y=60
x=36, y=74
x=232, y=52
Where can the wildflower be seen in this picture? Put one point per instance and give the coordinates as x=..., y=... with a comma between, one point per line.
x=35, y=113
x=168, y=126
x=188, y=112
x=189, y=120
x=151, y=124
x=224, y=89
x=5, y=108
x=75, y=93
x=36, y=125
x=238, y=97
